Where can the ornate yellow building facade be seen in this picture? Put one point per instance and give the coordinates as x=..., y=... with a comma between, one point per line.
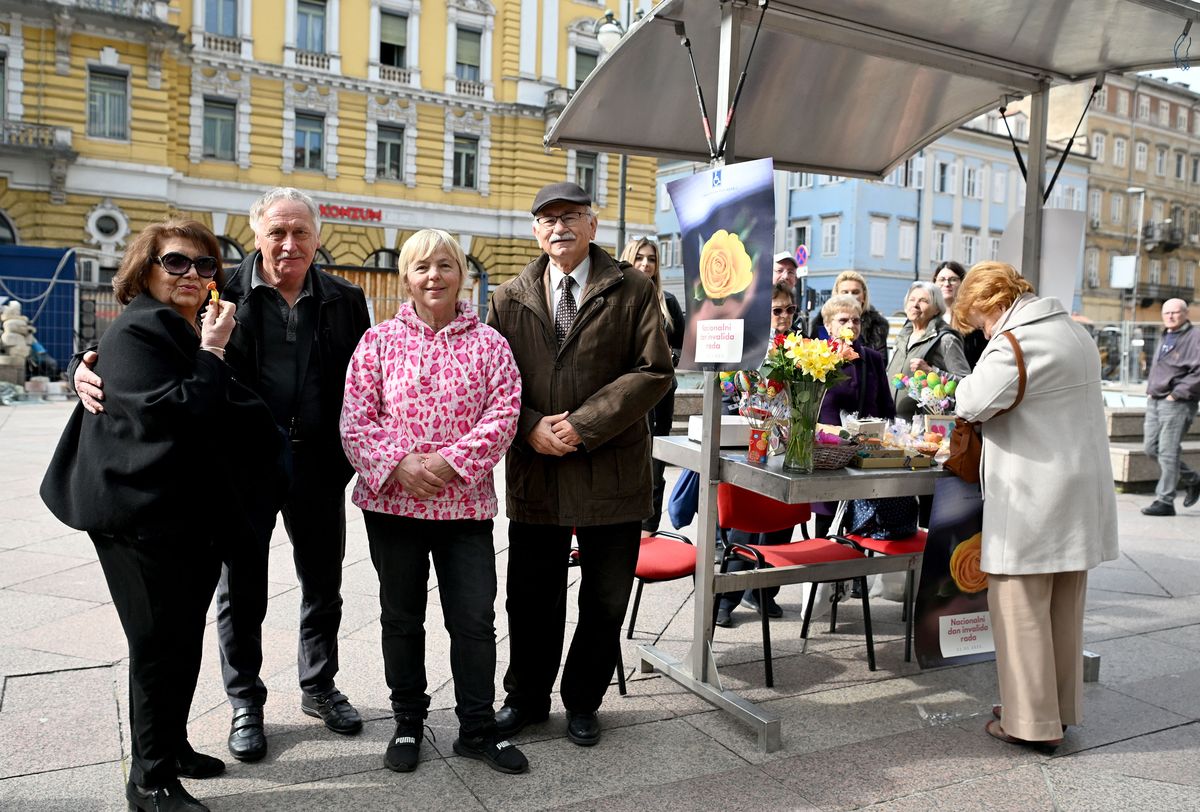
x=394, y=114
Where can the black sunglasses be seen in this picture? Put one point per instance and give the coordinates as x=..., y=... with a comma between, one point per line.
x=779, y=311
x=177, y=264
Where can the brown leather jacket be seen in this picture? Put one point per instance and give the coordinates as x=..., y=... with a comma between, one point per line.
x=610, y=371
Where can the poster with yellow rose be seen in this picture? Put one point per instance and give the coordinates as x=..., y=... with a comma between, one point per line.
x=727, y=221
x=952, y=624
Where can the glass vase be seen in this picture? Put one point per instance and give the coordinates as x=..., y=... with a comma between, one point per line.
x=805, y=401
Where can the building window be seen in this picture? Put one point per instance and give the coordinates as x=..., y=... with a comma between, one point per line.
x=220, y=118
x=908, y=241
x=829, y=237
x=941, y=245
x=220, y=17
x=1091, y=264
x=466, y=55
x=1173, y=272
x=232, y=253
x=1160, y=162
x=993, y=248
x=945, y=180
x=1181, y=119
x=999, y=186
x=1119, y=151
x=3, y=86
x=393, y=39
x=310, y=26
x=585, y=63
x=310, y=136
x=383, y=258
x=800, y=180
x=799, y=236
x=914, y=172
x=1189, y=275
x=466, y=156
x=585, y=172
x=108, y=104
x=1102, y=99
x=970, y=182
x=1098, y=147
x=1143, y=107
x=665, y=260
x=1164, y=114
x=1095, y=204
x=1180, y=166
x=878, y=237
x=1141, y=152
x=1156, y=272
x=1122, y=103
x=389, y=153
x=1195, y=169
x=1116, y=208
x=970, y=247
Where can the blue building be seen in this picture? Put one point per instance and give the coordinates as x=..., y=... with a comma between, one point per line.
x=953, y=200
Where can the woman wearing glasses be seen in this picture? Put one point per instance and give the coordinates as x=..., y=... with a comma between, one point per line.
x=875, y=325
x=949, y=277
x=141, y=477
x=642, y=254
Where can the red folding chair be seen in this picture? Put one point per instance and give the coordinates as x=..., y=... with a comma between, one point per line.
x=662, y=557
x=750, y=512
x=905, y=546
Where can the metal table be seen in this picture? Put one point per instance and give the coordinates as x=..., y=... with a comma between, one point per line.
x=698, y=671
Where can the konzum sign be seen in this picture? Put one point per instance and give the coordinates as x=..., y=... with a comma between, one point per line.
x=351, y=213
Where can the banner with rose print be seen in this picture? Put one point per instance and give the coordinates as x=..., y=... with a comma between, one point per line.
x=952, y=623
x=727, y=220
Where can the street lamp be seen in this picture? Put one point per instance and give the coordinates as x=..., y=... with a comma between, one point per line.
x=1126, y=369
x=608, y=33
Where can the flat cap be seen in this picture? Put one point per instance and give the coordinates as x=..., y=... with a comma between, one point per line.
x=564, y=192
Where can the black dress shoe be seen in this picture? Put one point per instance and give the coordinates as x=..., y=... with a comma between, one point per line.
x=334, y=709
x=583, y=728
x=510, y=721
x=1159, y=508
x=1192, y=494
x=191, y=764
x=247, y=742
x=170, y=797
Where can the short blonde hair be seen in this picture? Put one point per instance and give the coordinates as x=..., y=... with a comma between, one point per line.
x=989, y=287
x=839, y=303
x=853, y=276
x=421, y=246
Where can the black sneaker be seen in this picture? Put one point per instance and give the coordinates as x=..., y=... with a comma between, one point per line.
x=725, y=617
x=1159, y=508
x=499, y=754
x=404, y=750
x=1193, y=493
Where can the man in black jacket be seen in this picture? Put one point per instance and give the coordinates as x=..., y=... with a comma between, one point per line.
x=1172, y=394
x=297, y=328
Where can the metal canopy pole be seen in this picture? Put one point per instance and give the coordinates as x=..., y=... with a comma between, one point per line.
x=1031, y=248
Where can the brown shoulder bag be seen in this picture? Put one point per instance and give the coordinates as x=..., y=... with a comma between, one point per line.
x=966, y=444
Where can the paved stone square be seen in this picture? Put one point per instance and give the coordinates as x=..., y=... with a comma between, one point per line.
x=896, y=739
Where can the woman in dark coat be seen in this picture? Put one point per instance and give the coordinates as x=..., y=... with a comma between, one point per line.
x=874, y=328
x=642, y=254
x=948, y=277
x=865, y=391
x=145, y=477
x=925, y=343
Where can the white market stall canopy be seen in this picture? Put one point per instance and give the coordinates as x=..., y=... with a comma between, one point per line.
x=852, y=87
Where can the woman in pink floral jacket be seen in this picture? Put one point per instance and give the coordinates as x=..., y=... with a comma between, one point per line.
x=431, y=406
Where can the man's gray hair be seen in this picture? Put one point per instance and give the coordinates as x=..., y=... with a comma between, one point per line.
x=279, y=193
x=935, y=296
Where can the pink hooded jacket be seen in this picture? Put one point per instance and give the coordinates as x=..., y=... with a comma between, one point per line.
x=456, y=392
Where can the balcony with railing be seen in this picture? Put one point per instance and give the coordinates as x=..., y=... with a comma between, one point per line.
x=1154, y=292
x=221, y=44
x=21, y=136
x=395, y=75
x=466, y=87
x=149, y=10
x=312, y=59
x=1161, y=237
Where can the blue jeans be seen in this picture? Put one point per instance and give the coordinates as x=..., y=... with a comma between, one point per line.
x=465, y=560
x=1167, y=423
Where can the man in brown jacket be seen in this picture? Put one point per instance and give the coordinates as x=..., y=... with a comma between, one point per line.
x=588, y=340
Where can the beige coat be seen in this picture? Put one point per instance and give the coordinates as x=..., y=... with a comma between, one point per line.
x=1049, y=503
x=613, y=367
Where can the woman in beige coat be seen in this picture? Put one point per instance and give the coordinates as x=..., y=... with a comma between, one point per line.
x=1049, y=511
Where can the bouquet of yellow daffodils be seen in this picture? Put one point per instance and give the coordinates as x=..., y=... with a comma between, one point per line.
x=794, y=358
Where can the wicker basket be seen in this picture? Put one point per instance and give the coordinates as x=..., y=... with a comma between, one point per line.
x=832, y=457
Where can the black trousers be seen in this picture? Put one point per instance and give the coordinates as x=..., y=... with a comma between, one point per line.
x=465, y=559
x=537, y=612
x=161, y=588
x=315, y=519
x=660, y=418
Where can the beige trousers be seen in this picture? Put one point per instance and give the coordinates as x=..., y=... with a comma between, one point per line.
x=1037, y=625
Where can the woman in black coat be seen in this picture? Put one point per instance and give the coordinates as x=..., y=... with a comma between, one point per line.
x=949, y=277
x=642, y=254
x=874, y=328
x=150, y=479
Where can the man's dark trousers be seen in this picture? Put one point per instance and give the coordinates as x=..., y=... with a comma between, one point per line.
x=314, y=517
x=538, y=557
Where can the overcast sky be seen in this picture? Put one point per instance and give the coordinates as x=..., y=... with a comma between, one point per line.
x=1191, y=77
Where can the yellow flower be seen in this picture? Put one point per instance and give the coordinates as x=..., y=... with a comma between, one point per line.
x=724, y=265
x=964, y=566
